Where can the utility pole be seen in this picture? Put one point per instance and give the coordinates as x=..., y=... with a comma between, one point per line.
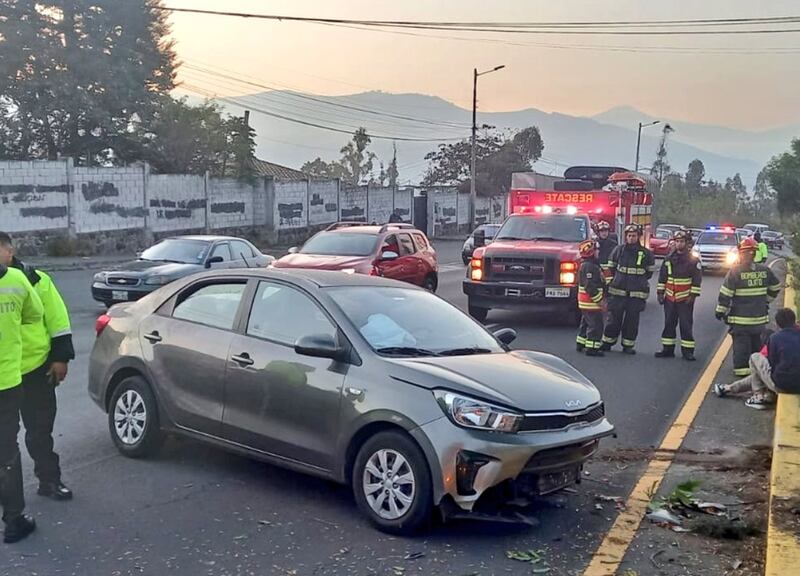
x=639, y=141
x=473, y=194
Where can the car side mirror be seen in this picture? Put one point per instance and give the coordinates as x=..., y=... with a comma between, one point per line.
x=506, y=335
x=318, y=346
x=389, y=255
x=479, y=239
x=214, y=260
x=294, y=250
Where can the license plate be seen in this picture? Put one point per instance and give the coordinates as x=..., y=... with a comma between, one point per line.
x=121, y=295
x=557, y=480
x=556, y=292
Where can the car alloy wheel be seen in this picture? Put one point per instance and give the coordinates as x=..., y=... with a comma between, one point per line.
x=130, y=417
x=389, y=484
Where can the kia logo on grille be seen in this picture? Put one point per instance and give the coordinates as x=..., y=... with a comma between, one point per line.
x=572, y=404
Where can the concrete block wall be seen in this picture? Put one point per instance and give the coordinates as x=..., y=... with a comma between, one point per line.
x=108, y=198
x=323, y=202
x=445, y=211
x=291, y=205
x=176, y=202
x=404, y=203
x=34, y=195
x=353, y=204
x=381, y=204
x=230, y=203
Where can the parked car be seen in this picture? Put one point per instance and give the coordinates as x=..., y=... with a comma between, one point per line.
x=757, y=228
x=396, y=251
x=360, y=380
x=742, y=233
x=672, y=228
x=489, y=231
x=661, y=242
x=717, y=249
x=773, y=239
x=174, y=258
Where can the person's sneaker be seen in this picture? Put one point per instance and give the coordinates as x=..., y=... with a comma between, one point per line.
x=757, y=402
x=628, y=350
x=665, y=354
x=719, y=390
x=18, y=529
x=55, y=491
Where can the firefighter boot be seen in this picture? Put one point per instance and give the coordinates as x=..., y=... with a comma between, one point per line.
x=688, y=355
x=18, y=525
x=666, y=352
x=628, y=350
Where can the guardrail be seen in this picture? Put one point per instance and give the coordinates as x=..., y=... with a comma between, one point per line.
x=783, y=536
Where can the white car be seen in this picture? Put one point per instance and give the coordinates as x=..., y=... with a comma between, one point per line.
x=490, y=230
x=717, y=249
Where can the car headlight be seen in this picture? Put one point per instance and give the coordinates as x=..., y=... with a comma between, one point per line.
x=348, y=270
x=157, y=280
x=100, y=277
x=696, y=253
x=731, y=258
x=472, y=413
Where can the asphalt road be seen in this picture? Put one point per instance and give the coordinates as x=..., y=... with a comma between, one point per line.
x=200, y=511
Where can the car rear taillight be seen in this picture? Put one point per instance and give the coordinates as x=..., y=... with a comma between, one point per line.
x=476, y=269
x=101, y=323
x=568, y=273
x=375, y=271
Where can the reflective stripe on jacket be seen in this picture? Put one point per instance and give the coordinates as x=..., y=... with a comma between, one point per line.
x=19, y=306
x=680, y=277
x=590, y=286
x=632, y=267
x=745, y=295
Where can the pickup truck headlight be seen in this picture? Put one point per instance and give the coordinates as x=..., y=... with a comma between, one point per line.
x=731, y=258
x=696, y=253
x=100, y=277
x=471, y=413
x=157, y=280
x=476, y=269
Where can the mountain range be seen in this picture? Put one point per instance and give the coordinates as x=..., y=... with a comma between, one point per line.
x=607, y=138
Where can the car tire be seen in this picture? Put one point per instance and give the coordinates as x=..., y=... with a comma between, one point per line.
x=133, y=419
x=411, y=499
x=479, y=314
x=430, y=283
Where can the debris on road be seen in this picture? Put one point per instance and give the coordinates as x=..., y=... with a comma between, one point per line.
x=664, y=517
x=533, y=557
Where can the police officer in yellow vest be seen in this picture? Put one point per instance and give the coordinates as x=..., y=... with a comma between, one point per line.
x=19, y=307
x=46, y=350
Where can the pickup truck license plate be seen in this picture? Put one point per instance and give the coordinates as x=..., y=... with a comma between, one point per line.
x=557, y=480
x=556, y=292
x=120, y=295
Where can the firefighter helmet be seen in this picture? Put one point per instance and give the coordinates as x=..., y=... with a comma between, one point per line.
x=603, y=225
x=587, y=248
x=682, y=235
x=748, y=243
x=633, y=228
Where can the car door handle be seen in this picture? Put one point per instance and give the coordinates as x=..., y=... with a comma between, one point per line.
x=153, y=337
x=243, y=359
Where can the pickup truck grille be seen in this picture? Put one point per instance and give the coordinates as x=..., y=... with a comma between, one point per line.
x=713, y=257
x=520, y=269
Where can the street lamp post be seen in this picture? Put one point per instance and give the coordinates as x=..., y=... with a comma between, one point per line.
x=473, y=194
x=639, y=141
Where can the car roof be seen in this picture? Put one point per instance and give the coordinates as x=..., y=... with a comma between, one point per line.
x=204, y=238
x=371, y=230
x=319, y=278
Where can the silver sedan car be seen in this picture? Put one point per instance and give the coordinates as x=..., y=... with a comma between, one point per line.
x=361, y=380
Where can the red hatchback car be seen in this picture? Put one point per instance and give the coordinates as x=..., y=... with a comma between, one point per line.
x=396, y=251
x=661, y=243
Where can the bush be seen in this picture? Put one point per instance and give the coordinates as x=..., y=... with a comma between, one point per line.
x=64, y=246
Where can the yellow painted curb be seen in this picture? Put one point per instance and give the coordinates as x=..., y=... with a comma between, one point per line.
x=783, y=546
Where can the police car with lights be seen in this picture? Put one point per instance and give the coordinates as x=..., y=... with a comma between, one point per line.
x=716, y=248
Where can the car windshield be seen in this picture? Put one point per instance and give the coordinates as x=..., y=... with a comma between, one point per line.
x=662, y=234
x=409, y=322
x=769, y=234
x=177, y=250
x=718, y=238
x=561, y=227
x=341, y=244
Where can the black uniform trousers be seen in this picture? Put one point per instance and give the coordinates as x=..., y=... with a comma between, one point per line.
x=38, y=416
x=12, y=497
x=590, y=333
x=624, y=314
x=746, y=341
x=676, y=313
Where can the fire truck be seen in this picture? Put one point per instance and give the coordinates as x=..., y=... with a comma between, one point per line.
x=533, y=261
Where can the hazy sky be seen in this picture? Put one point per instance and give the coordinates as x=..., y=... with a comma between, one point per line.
x=742, y=90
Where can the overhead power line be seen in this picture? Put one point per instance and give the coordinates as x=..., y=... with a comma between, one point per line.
x=651, y=27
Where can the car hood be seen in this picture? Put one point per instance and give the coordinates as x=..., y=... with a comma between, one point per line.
x=714, y=248
x=523, y=380
x=319, y=261
x=567, y=250
x=144, y=268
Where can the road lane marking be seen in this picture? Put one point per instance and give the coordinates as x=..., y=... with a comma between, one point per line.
x=609, y=555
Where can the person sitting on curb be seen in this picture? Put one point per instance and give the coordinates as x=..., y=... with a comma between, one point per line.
x=776, y=368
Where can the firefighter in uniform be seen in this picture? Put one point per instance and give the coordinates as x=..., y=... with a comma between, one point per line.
x=591, y=290
x=46, y=350
x=19, y=307
x=607, y=244
x=678, y=285
x=744, y=304
x=632, y=266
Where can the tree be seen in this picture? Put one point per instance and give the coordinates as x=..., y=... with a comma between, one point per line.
x=661, y=167
x=354, y=167
x=497, y=157
x=764, y=203
x=82, y=78
x=392, y=172
x=184, y=139
x=318, y=168
x=783, y=174
x=694, y=177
